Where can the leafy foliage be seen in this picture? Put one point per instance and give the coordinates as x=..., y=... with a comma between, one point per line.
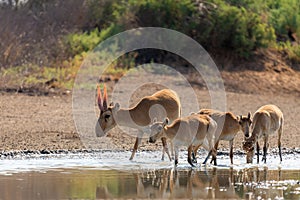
x=87, y=41
x=285, y=16
x=240, y=30
x=232, y=25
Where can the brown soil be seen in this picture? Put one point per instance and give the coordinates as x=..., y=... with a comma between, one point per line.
x=45, y=122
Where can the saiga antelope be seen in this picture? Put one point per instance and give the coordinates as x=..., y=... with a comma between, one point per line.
x=267, y=120
x=228, y=126
x=188, y=131
x=164, y=103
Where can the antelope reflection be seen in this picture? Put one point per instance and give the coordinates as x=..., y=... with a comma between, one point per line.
x=185, y=184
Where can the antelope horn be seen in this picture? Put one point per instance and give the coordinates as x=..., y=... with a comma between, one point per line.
x=104, y=98
x=99, y=97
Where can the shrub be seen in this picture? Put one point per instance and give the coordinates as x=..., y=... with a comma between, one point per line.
x=239, y=30
x=171, y=14
x=236, y=26
x=101, y=14
x=83, y=42
x=285, y=16
x=292, y=51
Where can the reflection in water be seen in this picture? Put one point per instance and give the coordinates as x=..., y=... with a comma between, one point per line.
x=250, y=183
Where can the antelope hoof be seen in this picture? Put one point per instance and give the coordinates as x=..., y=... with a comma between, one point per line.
x=194, y=160
x=176, y=162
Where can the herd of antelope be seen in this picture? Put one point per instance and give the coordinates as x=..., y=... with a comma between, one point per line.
x=204, y=128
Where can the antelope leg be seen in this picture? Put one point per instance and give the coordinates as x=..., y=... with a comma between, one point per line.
x=209, y=153
x=190, y=149
x=136, y=144
x=176, y=155
x=165, y=149
x=231, y=151
x=257, y=151
x=279, y=143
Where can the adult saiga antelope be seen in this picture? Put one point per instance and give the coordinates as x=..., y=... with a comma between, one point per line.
x=267, y=120
x=228, y=127
x=164, y=103
x=188, y=131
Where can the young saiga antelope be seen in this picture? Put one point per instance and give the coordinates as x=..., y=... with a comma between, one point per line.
x=164, y=103
x=267, y=120
x=228, y=127
x=190, y=131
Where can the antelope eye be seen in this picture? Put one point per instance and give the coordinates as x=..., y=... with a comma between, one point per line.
x=106, y=116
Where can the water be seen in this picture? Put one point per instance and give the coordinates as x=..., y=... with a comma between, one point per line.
x=112, y=175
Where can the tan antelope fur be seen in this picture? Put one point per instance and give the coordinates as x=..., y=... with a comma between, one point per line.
x=138, y=116
x=188, y=131
x=267, y=120
x=228, y=127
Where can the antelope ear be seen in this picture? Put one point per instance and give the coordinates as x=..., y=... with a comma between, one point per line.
x=99, y=98
x=104, y=98
x=166, y=121
x=239, y=118
x=249, y=115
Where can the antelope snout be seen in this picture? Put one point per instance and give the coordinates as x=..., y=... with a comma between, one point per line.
x=152, y=140
x=247, y=134
x=99, y=131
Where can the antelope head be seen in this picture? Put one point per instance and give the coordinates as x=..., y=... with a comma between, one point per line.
x=245, y=123
x=106, y=120
x=157, y=129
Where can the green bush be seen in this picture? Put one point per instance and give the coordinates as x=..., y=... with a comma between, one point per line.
x=292, y=51
x=237, y=26
x=285, y=16
x=173, y=14
x=256, y=6
x=84, y=42
x=101, y=13
x=239, y=30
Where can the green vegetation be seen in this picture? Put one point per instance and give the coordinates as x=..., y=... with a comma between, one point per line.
x=237, y=27
x=240, y=30
x=28, y=76
x=85, y=42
